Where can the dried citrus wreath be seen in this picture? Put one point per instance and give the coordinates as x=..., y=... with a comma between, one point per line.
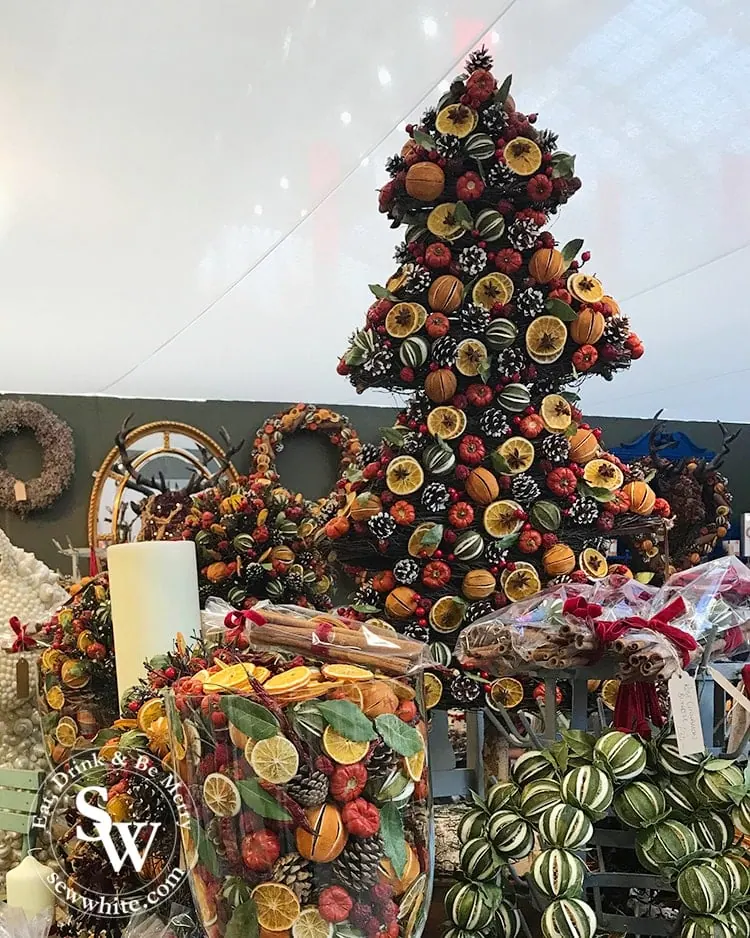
x=269, y=442
x=55, y=438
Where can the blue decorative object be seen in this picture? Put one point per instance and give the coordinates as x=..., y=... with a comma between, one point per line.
x=678, y=446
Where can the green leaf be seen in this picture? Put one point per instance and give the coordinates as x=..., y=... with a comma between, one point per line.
x=716, y=765
x=499, y=463
x=492, y=893
x=579, y=742
x=501, y=95
x=175, y=723
x=594, y=491
x=402, y=738
x=479, y=802
x=571, y=249
x=347, y=719
x=571, y=429
x=244, y=921
x=355, y=356
x=353, y=474
x=101, y=737
x=432, y=537
x=560, y=309
x=570, y=396
x=260, y=801
x=560, y=753
x=206, y=850
x=392, y=834
x=484, y=369
x=563, y=165
x=505, y=543
x=249, y=717
x=463, y=216
x=133, y=739
x=159, y=662
x=364, y=607
x=394, y=435
x=381, y=293
x=423, y=139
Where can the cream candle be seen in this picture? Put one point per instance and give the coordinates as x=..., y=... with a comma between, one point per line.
x=27, y=888
x=154, y=592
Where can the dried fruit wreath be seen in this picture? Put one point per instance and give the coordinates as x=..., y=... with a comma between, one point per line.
x=269, y=442
x=55, y=439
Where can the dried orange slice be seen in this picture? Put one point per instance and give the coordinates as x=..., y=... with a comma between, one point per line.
x=118, y=807
x=518, y=454
x=521, y=584
x=342, y=750
x=397, y=280
x=415, y=765
x=55, y=698
x=311, y=924
x=85, y=639
x=346, y=672
x=288, y=680
x=349, y=691
x=52, y=658
x=405, y=318
x=275, y=760
x=442, y=222
x=425, y=540
x=471, y=357
x=609, y=693
x=447, y=614
x=433, y=691
x=66, y=732
x=546, y=338
x=585, y=288
x=603, y=474
x=444, y=422
x=523, y=156
x=221, y=795
x=492, y=289
x=506, y=692
x=233, y=678
x=501, y=518
x=456, y=119
x=404, y=475
x=150, y=711
x=110, y=747
x=276, y=905
x=519, y=565
x=593, y=563
x=556, y=413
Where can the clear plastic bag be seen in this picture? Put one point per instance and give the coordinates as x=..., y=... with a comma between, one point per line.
x=14, y=924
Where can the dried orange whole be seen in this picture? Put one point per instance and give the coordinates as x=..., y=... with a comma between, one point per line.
x=546, y=264
x=328, y=836
x=478, y=584
x=588, y=328
x=642, y=497
x=425, y=181
x=401, y=602
x=583, y=446
x=559, y=559
x=440, y=385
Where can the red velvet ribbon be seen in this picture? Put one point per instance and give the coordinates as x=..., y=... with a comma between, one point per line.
x=236, y=619
x=577, y=606
x=23, y=641
x=608, y=632
x=732, y=639
x=637, y=709
x=746, y=679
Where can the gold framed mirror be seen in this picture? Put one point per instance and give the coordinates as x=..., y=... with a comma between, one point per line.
x=153, y=460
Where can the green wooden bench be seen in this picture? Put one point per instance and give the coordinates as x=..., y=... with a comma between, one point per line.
x=19, y=793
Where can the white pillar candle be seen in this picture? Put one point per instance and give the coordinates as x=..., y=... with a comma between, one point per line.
x=154, y=591
x=28, y=889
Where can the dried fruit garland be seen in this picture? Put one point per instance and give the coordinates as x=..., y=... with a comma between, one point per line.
x=491, y=483
x=55, y=439
x=269, y=442
x=677, y=809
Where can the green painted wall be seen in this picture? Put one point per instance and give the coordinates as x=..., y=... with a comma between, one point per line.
x=308, y=463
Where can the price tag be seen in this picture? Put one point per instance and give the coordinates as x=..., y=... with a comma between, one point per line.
x=22, y=679
x=686, y=714
x=19, y=490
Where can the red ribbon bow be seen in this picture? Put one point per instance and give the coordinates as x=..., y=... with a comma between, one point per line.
x=236, y=619
x=608, y=632
x=577, y=606
x=23, y=641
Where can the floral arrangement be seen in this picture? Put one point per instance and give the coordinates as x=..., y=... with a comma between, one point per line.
x=491, y=483
x=55, y=439
x=681, y=817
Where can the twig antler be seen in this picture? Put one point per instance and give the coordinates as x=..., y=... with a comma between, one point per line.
x=146, y=485
x=198, y=481
x=654, y=446
x=727, y=439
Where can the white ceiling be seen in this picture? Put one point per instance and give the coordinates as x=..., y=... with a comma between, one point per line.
x=188, y=200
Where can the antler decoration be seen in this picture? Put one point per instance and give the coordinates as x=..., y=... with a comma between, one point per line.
x=727, y=439
x=198, y=482
x=655, y=446
x=146, y=485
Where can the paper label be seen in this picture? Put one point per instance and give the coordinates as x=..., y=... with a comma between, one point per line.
x=22, y=679
x=686, y=714
x=19, y=490
x=730, y=688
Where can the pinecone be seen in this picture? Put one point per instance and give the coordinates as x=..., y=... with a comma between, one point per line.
x=142, y=793
x=584, y=510
x=370, y=453
x=428, y=119
x=401, y=253
x=447, y=146
x=444, y=351
x=366, y=596
x=356, y=867
x=616, y=330
x=524, y=489
x=419, y=281
x=305, y=559
x=309, y=787
x=406, y=571
x=380, y=364
x=480, y=58
x=294, y=584
x=395, y=164
x=530, y=303
x=382, y=761
x=464, y=690
x=547, y=140
x=494, y=423
x=413, y=444
x=474, y=319
x=419, y=405
x=435, y=497
x=495, y=119
x=522, y=234
x=416, y=632
x=475, y=611
x=495, y=553
x=295, y=872
x=502, y=177
x=277, y=537
x=556, y=448
x=381, y=525
x=510, y=361
x=472, y=260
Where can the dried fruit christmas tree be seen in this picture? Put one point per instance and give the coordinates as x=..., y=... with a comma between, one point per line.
x=491, y=484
